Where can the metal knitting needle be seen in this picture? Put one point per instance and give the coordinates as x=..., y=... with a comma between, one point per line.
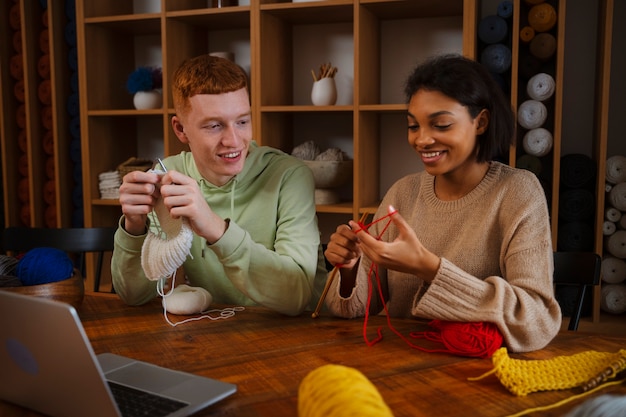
x=162, y=165
x=331, y=278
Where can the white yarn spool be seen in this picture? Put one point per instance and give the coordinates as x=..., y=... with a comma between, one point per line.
x=616, y=169
x=608, y=228
x=538, y=142
x=616, y=244
x=186, y=300
x=613, y=298
x=617, y=196
x=540, y=87
x=613, y=270
x=532, y=114
x=612, y=214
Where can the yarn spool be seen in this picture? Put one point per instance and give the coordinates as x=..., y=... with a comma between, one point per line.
x=49, y=192
x=48, y=142
x=529, y=163
x=22, y=142
x=496, y=58
x=46, y=117
x=526, y=34
x=540, y=87
x=44, y=41
x=15, y=20
x=608, y=228
x=19, y=91
x=43, y=66
x=616, y=169
x=532, y=114
x=613, y=270
x=576, y=204
x=612, y=214
x=575, y=236
x=492, y=29
x=20, y=116
x=186, y=300
x=617, y=196
x=23, y=190
x=16, y=66
x=538, y=142
x=613, y=298
x=44, y=265
x=505, y=9
x=577, y=171
x=616, y=244
x=339, y=391
x=44, y=92
x=22, y=165
x=543, y=46
x=542, y=17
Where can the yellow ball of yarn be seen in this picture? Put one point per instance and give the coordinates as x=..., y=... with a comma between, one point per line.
x=339, y=391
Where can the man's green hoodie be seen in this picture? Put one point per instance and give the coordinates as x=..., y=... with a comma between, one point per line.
x=270, y=254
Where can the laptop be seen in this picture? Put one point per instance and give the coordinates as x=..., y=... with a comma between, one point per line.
x=48, y=365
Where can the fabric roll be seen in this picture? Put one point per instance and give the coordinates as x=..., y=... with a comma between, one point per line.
x=496, y=58
x=532, y=114
x=576, y=204
x=540, y=87
x=616, y=169
x=612, y=214
x=577, y=171
x=492, y=29
x=575, y=236
x=613, y=270
x=538, y=142
x=616, y=244
x=617, y=196
x=608, y=228
x=529, y=163
x=543, y=46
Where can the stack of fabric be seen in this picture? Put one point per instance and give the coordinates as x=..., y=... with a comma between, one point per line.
x=109, y=184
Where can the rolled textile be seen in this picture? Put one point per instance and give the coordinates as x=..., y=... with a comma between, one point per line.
x=617, y=196
x=532, y=114
x=616, y=244
x=538, y=142
x=576, y=204
x=612, y=214
x=613, y=270
x=577, y=170
x=608, y=228
x=530, y=163
x=616, y=169
x=492, y=29
x=575, y=236
x=540, y=87
x=613, y=298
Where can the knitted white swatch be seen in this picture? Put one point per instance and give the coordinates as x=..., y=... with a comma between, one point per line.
x=163, y=254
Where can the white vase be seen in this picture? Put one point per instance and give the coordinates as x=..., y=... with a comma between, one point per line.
x=144, y=100
x=324, y=92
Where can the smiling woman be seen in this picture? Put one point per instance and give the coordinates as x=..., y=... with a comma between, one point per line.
x=470, y=238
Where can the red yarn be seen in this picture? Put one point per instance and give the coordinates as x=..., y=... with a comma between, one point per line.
x=472, y=339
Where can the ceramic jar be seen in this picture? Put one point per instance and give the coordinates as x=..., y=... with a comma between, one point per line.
x=144, y=100
x=324, y=92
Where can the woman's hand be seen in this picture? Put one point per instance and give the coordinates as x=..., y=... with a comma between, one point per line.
x=343, y=249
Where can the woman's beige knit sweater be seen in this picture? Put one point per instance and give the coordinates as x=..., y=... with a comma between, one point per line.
x=496, y=258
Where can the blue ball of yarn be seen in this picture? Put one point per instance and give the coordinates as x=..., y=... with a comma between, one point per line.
x=44, y=265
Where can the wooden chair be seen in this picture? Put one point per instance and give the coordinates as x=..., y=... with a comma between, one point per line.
x=74, y=241
x=580, y=269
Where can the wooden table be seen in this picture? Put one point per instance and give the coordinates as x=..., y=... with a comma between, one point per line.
x=267, y=355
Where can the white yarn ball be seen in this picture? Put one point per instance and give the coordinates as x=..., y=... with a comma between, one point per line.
x=612, y=214
x=540, y=87
x=616, y=244
x=608, y=228
x=613, y=270
x=617, y=196
x=538, y=142
x=186, y=300
x=616, y=169
x=613, y=298
x=532, y=114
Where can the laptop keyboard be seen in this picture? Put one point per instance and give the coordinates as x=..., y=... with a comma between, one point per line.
x=136, y=403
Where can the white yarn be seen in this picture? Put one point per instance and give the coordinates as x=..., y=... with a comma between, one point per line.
x=613, y=270
x=532, y=114
x=616, y=244
x=538, y=142
x=616, y=169
x=612, y=214
x=540, y=87
x=613, y=298
x=608, y=228
x=186, y=300
x=617, y=196
x=163, y=254
x=602, y=406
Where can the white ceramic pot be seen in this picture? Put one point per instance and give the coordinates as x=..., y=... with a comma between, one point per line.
x=324, y=92
x=144, y=100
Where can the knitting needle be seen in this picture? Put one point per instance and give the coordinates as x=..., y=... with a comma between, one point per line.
x=331, y=278
x=162, y=165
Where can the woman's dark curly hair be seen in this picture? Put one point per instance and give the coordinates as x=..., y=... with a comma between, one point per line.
x=471, y=84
